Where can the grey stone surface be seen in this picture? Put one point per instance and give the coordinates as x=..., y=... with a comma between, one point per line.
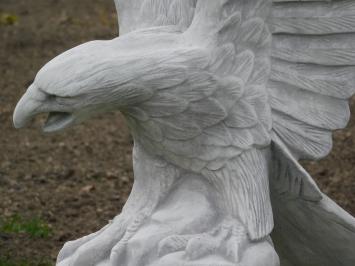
x=223, y=97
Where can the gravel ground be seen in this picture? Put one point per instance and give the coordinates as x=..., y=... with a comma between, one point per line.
x=78, y=180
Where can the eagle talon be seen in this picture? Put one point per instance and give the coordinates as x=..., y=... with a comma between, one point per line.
x=172, y=244
x=227, y=239
x=200, y=246
x=83, y=252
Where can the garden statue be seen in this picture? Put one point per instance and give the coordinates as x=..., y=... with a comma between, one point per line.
x=222, y=97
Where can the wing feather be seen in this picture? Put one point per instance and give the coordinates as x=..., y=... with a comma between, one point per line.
x=287, y=80
x=312, y=73
x=312, y=77
x=164, y=104
x=317, y=18
x=331, y=81
x=308, y=141
x=140, y=14
x=243, y=115
x=327, y=50
x=314, y=109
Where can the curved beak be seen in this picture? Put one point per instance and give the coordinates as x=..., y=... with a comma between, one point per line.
x=35, y=102
x=26, y=109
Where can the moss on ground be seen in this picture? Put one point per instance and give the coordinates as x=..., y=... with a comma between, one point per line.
x=17, y=224
x=6, y=261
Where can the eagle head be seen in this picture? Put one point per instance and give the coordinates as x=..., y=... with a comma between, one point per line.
x=92, y=78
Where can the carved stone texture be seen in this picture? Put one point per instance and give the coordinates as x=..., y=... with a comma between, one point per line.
x=223, y=97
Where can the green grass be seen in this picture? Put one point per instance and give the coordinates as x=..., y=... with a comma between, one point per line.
x=34, y=227
x=7, y=20
x=9, y=262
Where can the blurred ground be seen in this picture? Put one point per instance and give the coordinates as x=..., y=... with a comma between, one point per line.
x=74, y=181
x=78, y=180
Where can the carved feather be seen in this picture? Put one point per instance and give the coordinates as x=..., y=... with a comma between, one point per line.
x=316, y=18
x=279, y=80
x=331, y=81
x=164, y=104
x=313, y=109
x=305, y=140
x=311, y=79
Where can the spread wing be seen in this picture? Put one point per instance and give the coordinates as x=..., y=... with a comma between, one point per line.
x=312, y=78
x=313, y=73
x=292, y=92
x=139, y=14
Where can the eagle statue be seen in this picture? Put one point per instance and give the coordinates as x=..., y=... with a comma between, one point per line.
x=223, y=98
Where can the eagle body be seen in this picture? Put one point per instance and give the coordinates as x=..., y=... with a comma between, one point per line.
x=222, y=97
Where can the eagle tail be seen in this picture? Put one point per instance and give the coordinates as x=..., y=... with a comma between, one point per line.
x=310, y=229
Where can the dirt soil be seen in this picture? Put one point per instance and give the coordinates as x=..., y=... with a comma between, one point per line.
x=78, y=180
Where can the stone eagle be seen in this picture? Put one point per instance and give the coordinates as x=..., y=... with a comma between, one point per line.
x=223, y=98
